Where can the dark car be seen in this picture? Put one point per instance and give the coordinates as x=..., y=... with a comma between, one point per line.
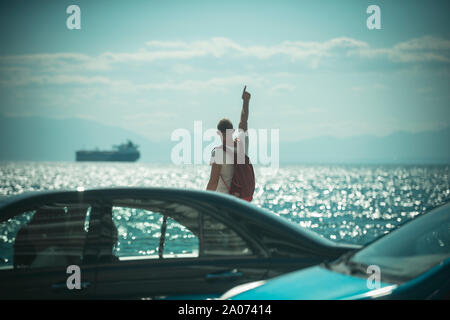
x=146, y=243
x=412, y=262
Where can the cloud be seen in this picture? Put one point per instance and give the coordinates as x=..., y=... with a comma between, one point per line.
x=82, y=69
x=61, y=80
x=424, y=49
x=65, y=61
x=216, y=47
x=219, y=47
x=212, y=84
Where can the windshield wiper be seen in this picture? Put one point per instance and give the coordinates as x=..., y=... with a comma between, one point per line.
x=356, y=267
x=345, y=265
x=353, y=266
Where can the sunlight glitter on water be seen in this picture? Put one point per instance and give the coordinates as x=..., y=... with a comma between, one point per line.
x=344, y=203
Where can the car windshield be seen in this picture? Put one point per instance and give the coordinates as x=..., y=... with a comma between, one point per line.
x=412, y=249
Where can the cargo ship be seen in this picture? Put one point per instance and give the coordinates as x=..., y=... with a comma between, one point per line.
x=123, y=152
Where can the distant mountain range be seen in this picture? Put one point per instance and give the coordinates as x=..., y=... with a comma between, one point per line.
x=48, y=139
x=428, y=147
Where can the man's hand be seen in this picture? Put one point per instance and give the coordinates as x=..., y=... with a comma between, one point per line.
x=245, y=95
x=244, y=112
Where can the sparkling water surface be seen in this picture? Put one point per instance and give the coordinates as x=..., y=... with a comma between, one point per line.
x=344, y=203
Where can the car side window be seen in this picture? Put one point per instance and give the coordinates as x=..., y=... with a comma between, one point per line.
x=8, y=234
x=149, y=234
x=153, y=229
x=53, y=235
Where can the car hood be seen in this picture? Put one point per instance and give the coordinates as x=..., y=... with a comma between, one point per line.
x=315, y=283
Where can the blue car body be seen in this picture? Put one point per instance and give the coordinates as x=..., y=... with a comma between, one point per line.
x=328, y=282
x=319, y=283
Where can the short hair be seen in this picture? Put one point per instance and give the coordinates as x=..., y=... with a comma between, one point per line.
x=223, y=125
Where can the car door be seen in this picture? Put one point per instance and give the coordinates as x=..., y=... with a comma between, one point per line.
x=169, y=248
x=42, y=250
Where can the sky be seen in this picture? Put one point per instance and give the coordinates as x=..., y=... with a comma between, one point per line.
x=313, y=67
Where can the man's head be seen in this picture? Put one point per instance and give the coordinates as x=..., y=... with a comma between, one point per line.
x=225, y=129
x=224, y=125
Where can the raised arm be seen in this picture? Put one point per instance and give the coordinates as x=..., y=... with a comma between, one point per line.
x=243, y=124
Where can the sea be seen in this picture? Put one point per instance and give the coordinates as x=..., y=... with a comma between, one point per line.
x=344, y=203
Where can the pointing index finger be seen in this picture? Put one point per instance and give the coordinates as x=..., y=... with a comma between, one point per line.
x=245, y=87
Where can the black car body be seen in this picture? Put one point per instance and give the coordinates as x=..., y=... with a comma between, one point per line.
x=121, y=240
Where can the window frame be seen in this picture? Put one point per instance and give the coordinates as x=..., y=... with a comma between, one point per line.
x=24, y=209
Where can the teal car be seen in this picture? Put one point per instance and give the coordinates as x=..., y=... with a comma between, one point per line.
x=146, y=243
x=412, y=262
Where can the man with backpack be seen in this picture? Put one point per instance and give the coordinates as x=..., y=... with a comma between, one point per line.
x=231, y=170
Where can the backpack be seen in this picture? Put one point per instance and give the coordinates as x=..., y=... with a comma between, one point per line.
x=243, y=181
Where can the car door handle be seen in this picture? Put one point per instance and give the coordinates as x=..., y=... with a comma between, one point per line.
x=225, y=275
x=63, y=285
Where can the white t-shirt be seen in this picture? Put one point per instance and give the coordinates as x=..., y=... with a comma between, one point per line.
x=226, y=159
